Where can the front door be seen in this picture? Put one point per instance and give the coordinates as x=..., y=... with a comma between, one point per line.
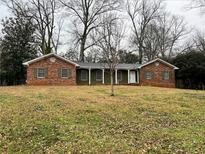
x=132, y=77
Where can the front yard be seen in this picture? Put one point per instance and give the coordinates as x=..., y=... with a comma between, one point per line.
x=82, y=119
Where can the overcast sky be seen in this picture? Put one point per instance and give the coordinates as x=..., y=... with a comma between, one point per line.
x=193, y=17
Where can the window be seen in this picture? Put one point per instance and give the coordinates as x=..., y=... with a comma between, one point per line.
x=119, y=75
x=98, y=75
x=149, y=75
x=41, y=73
x=166, y=75
x=84, y=75
x=64, y=73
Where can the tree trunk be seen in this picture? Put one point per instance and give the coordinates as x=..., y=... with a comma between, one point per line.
x=82, y=48
x=140, y=55
x=112, y=83
x=48, y=49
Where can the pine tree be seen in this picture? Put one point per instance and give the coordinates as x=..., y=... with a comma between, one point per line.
x=18, y=45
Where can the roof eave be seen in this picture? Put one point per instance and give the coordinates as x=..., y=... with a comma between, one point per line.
x=25, y=64
x=45, y=56
x=158, y=59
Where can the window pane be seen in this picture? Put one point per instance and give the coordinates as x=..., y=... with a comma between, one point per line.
x=98, y=75
x=64, y=73
x=41, y=72
x=148, y=75
x=166, y=75
x=84, y=75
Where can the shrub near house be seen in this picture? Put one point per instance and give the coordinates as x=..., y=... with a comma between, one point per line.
x=52, y=69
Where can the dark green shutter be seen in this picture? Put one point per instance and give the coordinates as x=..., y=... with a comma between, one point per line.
x=46, y=72
x=69, y=72
x=35, y=73
x=59, y=72
x=152, y=75
x=163, y=75
x=170, y=75
x=145, y=74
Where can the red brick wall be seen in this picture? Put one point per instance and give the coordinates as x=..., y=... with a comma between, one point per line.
x=52, y=77
x=158, y=80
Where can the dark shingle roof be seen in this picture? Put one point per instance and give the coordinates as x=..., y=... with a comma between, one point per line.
x=103, y=65
x=122, y=66
x=100, y=65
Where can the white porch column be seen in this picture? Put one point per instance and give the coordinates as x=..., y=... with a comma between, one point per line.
x=116, y=82
x=138, y=76
x=103, y=76
x=89, y=76
x=128, y=76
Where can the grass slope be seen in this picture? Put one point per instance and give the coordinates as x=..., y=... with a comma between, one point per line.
x=87, y=120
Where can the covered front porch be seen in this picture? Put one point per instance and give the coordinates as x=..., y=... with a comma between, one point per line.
x=96, y=76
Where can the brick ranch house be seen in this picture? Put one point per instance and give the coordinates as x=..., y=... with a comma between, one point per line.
x=52, y=69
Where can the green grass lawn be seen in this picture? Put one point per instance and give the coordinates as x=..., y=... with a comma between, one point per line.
x=86, y=119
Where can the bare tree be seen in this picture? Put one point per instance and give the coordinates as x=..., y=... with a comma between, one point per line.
x=171, y=29
x=71, y=54
x=197, y=4
x=163, y=36
x=199, y=41
x=196, y=43
x=43, y=13
x=141, y=13
x=151, y=42
x=56, y=40
x=85, y=15
x=93, y=55
x=109, y=37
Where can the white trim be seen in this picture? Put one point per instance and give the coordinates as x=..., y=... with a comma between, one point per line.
x=164, y=75
x=48, y=55
x=158, y=59
x=89, y=76
x=103, y=76
x=128, y=76
x=148, y=75
x=38, y=72
x=131, y=75
x=138, y=76
x=116, y=79
x=62, y=73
